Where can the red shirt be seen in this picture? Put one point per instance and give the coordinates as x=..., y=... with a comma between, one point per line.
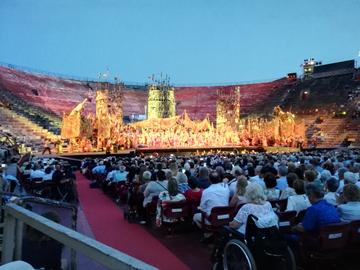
x=193, y=196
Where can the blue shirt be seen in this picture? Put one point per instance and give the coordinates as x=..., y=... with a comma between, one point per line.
x=319, y=214
x=182, y=187
x=281, y=183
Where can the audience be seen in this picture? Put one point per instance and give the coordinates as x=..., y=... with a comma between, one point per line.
x=238, y=198
x=300, y=201
x=350, y=208
x=270, y=183
x=170, y=195
x=289, y=190
x=217, y=194
x=331, y=187
x=256, y=205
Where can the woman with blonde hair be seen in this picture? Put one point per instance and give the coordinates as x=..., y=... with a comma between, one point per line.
x=256, y=205
x=239, y=197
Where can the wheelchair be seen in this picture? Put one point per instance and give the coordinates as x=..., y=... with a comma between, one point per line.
x=258, y=249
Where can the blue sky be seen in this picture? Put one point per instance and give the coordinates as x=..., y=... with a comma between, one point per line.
x=193, y=41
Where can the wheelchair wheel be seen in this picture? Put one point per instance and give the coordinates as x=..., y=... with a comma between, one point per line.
x=238, y=256
x=282, y=262
x=288, y=261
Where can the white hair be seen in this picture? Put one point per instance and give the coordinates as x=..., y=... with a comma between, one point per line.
x=181, y=178
x=255, y=194
x=350, y=177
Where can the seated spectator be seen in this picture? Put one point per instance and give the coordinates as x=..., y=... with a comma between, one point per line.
x=256, y=205
x=58, y=174
x=331, y=185
x=37, y=172
x=217, y=194
x=289, y=191
x=270, y=183
x=182, y=182
x=146, y=177
x=350, y=209
x=350, y=178
x=281, y=182
x=258, y=178
x=117, y=175
x=100, y=168
x=320, y=212
x=239, y=197
x=48, y=174
x=154, y=188
x=236, y=173
x=310, y=176
x=340, y=174
x=193, y=194
x=203, y=178
x=27, y=170
x=170, y=195
x=299, y=201
x=324, y=176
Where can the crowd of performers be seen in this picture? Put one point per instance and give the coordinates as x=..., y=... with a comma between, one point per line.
x=178, y=136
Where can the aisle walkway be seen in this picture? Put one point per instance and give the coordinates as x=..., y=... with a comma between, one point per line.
x=109, y=227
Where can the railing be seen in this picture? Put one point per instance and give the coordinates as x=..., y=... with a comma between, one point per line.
x=16, y=217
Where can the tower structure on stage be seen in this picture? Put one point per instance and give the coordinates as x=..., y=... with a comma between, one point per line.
x=161, y=99
x=109, y=112
x=228, y=108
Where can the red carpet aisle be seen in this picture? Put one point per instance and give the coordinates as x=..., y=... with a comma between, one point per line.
x=109, y=227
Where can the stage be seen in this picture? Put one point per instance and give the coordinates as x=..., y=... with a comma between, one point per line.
x=237, y=150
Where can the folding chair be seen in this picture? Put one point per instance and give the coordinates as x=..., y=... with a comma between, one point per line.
x=173, y=213
x=279, y=205
x=286, y=221
x=327, y=246
x=218, y=217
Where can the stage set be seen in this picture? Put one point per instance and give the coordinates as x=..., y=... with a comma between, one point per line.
x=164, y=131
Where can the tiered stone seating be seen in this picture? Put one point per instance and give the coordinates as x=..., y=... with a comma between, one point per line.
x=37, y=115
x=25, y=131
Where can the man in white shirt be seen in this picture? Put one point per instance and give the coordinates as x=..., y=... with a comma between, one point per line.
x=258, y=178
x=217, y=194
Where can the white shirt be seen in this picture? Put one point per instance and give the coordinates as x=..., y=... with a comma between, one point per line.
x=37, y=174
x=116, y=176
x=287, y=192
x=331, y=197
x=349, y=211
x=256, y=179
x=341, y=186
x=272, y=194
x=232, y=187
x=213, y=196
x=258, y=210
x=298, y=203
